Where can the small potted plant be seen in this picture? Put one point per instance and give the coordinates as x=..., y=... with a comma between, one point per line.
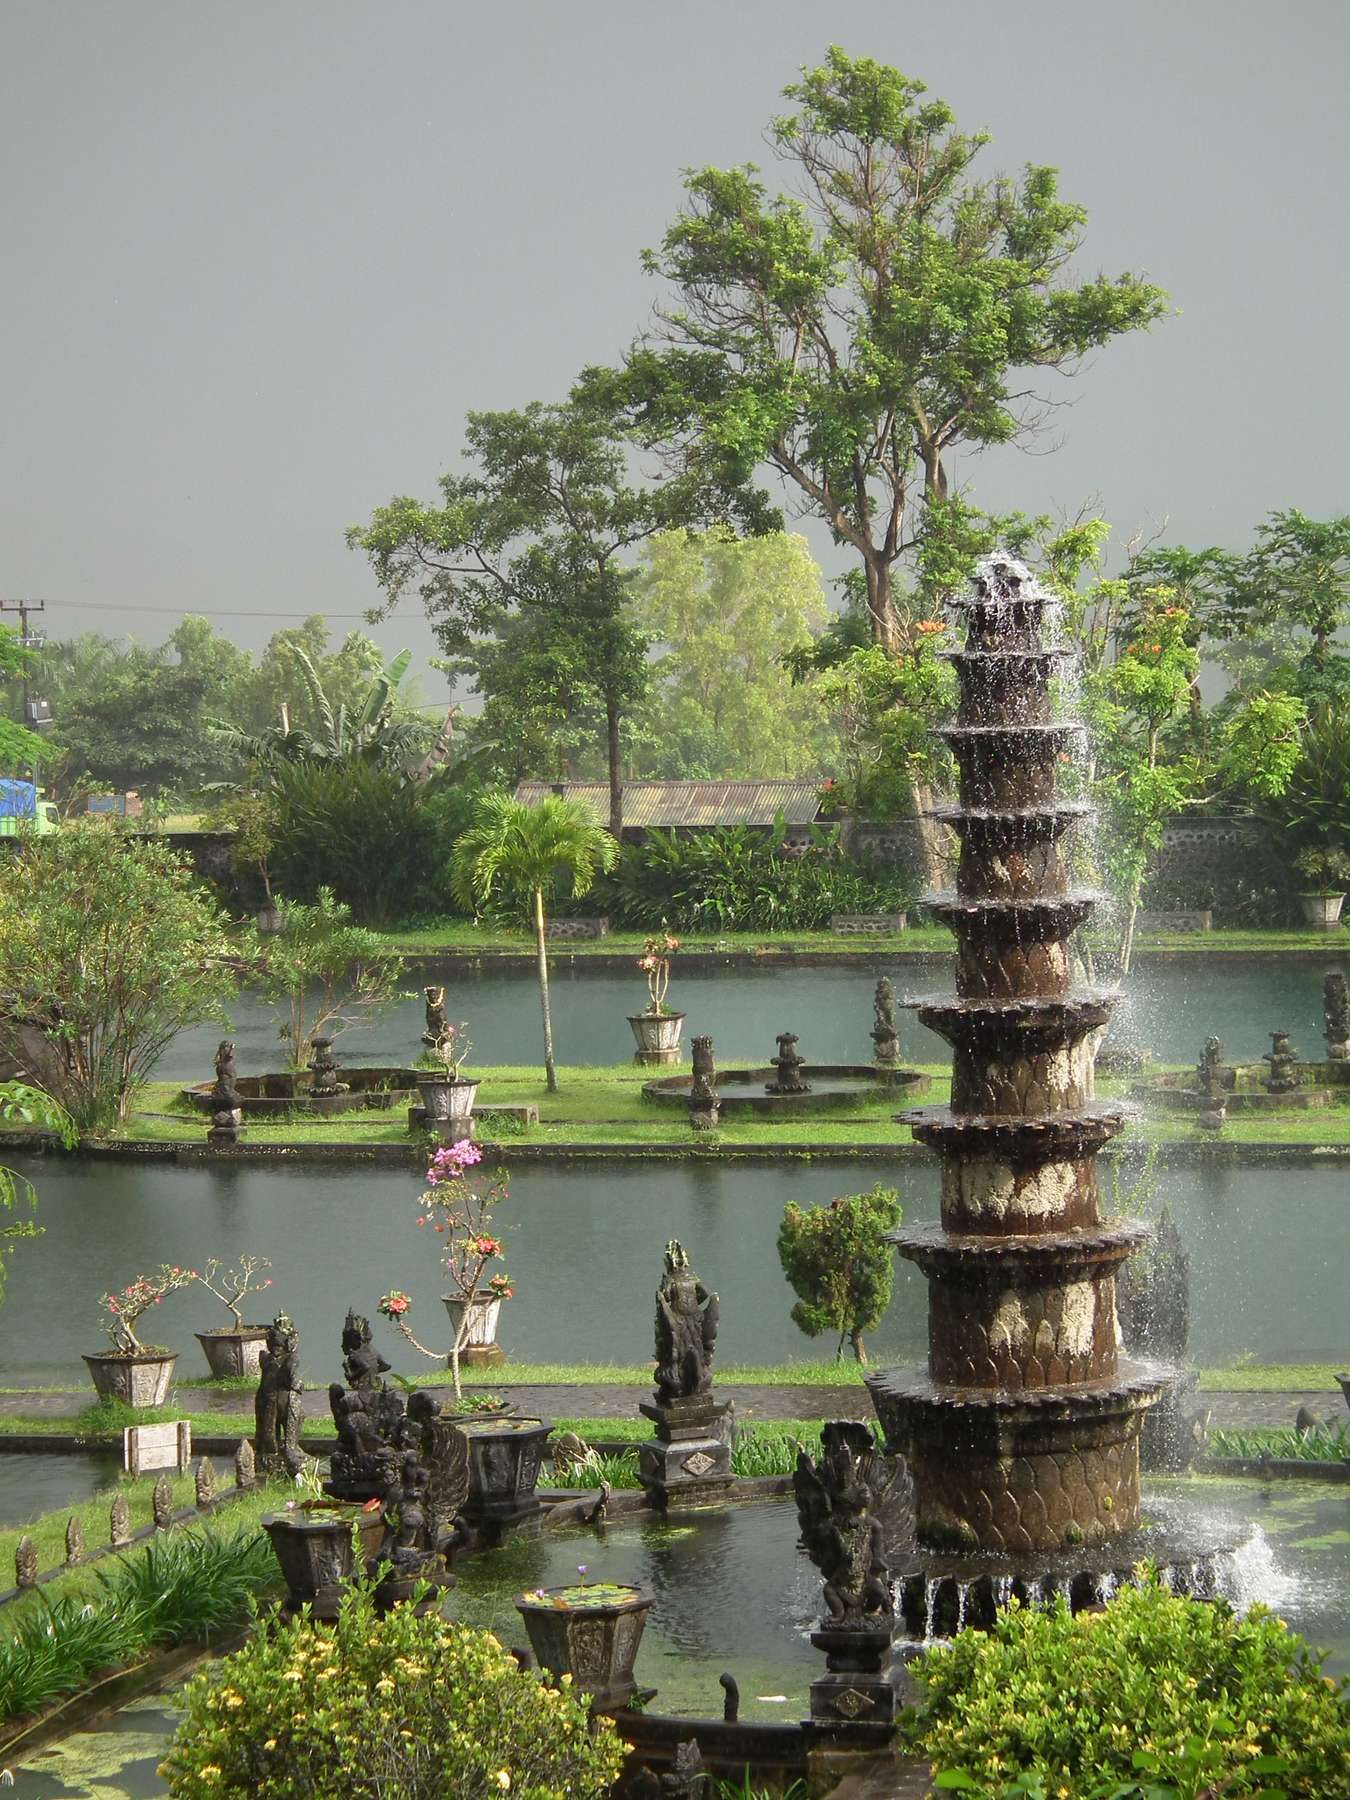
x=448, y=1096
x=590, y=1631
x=658, y=1029
x=1327, y=867
x=135, y=1373
x=234, y=1349
x=458, y=1206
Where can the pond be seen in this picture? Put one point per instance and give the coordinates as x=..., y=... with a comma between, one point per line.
x=1168, y=1006
x=583, y=1246
x=734, y=1593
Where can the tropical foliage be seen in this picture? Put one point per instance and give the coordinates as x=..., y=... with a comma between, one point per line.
x=837, y=1260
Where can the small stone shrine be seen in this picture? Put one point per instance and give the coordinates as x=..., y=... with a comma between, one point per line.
x=837, y=1507
x=1282, y=1061
x=227, y=1115
x=437, y=1025
x=789, y=1065
x=1336, y=1016
x=689, y=1462
x=324, y=1069
x=885, y=1033
x=277, y=1410
x=704, y=1106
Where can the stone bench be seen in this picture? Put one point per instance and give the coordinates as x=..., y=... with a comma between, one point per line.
x=867, y=924
x=576, y=928
x=1201, y=919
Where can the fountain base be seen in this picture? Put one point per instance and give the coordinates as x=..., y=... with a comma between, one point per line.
x=939, y=1594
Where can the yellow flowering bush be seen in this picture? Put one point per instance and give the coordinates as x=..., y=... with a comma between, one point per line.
x=392, y=1708
x=1154, y=1695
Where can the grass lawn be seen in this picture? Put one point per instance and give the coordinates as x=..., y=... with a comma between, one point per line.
x=605, y=1105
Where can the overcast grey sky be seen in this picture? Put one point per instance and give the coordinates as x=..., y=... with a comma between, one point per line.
x=260, y=257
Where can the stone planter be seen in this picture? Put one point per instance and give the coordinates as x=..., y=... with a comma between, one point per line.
x=271, y=920
x=504, y=1459
x=594, y=1640
x=1322, y=909
x=448, y=1104
x=317, y=1557
x=658, y=1036
x=142, y=1380
x=480, y=1345
x=233, y=1352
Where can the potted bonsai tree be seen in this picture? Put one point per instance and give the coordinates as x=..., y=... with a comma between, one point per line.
x=657, y=1030
x=234, y=1349
x=458, y=1207
x=1327, y=867
x=135, y=1373
x=448, y=1096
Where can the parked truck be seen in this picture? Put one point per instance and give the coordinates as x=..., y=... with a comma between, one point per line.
x=22, y=809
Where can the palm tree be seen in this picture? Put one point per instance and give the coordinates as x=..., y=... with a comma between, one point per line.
x=530, y=850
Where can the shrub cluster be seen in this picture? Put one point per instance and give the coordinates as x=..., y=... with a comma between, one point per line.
x=372, y=1708
x=1199, y=1699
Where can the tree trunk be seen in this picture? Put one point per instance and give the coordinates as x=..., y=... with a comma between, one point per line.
x=1127, y=940
x=881, y=606
x=550, y=1072
x=855, y=1338
x=615, y=768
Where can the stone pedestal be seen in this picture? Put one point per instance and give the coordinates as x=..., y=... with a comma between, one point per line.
x=689, y=1463
x=859, y=1695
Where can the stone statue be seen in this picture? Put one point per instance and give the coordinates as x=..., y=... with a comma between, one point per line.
x=1336, y=1013
x=370, y=1420
x=885, y=1036
x=1282, y=1059
x=437, y=1025
x=789, y=1066
x=227, y=1114
x=840, y=1530
x=1210, y=1085
x=704, y=1105
x=277, y=1411
x=686, y=1330
x=324, y=1069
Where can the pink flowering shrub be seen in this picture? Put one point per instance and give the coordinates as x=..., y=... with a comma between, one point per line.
x=126, y=1307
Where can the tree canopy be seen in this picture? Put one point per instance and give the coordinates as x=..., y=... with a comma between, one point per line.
x=852, y=336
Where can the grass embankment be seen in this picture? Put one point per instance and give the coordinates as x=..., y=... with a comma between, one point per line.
x=463, y=937
x=604, y=1104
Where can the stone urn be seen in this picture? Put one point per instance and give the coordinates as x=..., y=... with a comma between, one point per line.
x=1322, y=909
x=233, y=1352
x=143, y=1379
x=448, y=1101
x=504, y=1461
x=317, y=1556
x=658, y=1036
x=590, y=1632
x=480, y=1343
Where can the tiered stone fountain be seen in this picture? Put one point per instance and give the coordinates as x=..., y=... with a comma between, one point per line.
x=1022, y=1435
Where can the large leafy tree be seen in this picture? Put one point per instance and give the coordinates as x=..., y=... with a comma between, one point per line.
x=528, y=552
x=851, y=338
x=1296, y=580
x=108, y=948
x=723, y=613
x=528, y=853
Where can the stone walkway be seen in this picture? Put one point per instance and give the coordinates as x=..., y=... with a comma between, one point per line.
x=1229, y=1408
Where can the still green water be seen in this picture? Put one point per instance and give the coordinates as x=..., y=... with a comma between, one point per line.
x=584, y=1245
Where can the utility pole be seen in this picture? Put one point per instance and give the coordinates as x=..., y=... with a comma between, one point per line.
x=28, y=640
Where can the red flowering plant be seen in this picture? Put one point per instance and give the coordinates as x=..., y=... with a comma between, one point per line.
x=125, y=1308
x=458, y=1205
x=655, y=965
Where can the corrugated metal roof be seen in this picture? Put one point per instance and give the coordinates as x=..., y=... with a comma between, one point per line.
x=667, y=803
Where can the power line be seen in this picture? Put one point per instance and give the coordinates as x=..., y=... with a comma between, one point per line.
x=215, y=612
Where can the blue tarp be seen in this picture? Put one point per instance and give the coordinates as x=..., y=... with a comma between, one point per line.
x=18, y=800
